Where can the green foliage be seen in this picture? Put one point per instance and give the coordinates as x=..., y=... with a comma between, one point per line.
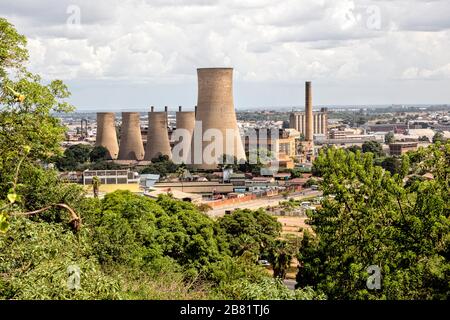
x=250, y=232
x=162, y=166
x=34, y=258
x=424, y=139
x=74, y=156
x=373, y=147
x=439, y=137
x=389, y=138
x=391, y=164
x=12, y=48
x=311, y=182
x=375, y=218
x=99, y=153
x=268, y=289
x=280, y=256
x=354, y=149
x=135, y=230
x=296, y=173
x=28, y=131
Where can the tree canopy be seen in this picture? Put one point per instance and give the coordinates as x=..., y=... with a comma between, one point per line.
x=375, y=218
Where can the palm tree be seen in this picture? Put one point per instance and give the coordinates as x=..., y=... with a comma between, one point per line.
x=181, y=171
x=96, y=185
x=280, y=257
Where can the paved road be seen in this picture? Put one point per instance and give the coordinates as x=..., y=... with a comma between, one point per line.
x=263, y=202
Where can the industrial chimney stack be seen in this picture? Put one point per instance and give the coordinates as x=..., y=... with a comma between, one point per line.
x=106, y=133
x=309, y=118
x=131, y=147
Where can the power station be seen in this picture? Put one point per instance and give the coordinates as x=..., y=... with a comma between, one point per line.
x=131, y=146
x=215, y=113
x=106, y=133
x=203, y=137
x=157, y=137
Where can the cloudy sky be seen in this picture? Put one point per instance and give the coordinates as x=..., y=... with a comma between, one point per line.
x=125, y=54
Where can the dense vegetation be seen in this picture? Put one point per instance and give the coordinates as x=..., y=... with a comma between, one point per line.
x=399, y=222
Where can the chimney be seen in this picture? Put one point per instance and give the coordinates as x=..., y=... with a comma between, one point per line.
x=309, y=117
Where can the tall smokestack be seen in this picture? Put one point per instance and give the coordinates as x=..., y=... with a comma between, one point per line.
x=157, y=137
x=215, y=110
x=131, y=147
x=309, y=112
x=106, y=133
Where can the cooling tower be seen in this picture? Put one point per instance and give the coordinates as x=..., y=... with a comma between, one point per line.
x=215, y=110
x=309, y=134
x=184, y=121
x=157, y=136
x=106, y=133
x=131, y=147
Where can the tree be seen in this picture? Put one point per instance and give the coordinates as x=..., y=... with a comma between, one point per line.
x=98, y=154
x=354, y=149
x=389, y=138
x=391, y=164
x=296, y=173
x=438, y=137
x=28, y=131
x=280, y=256
x=375, y=218
x=74, y=157
x=373, y=147
x=95, y=186
x=250, y=232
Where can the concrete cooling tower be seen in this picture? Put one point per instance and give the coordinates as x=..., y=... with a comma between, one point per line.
x=106, y=133
x=157, y=136
x=185, y=120
x=131, y=147
x=215, y=110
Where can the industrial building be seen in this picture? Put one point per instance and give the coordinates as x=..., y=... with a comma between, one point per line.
x=297, y=121
x=399, y=148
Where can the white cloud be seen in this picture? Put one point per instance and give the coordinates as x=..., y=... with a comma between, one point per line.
x=288, y=41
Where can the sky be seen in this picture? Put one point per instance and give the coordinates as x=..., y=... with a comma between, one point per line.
x=128, y=54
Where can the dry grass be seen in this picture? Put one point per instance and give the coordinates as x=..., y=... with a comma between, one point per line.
x=292, y=225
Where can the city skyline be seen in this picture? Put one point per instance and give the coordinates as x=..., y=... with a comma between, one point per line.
x=119, y=55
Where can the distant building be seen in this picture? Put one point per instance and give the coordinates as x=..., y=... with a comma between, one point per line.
x=297, y=121
x=399, y=148
x=112, y=180
x=283, y=146
x=148, y=180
